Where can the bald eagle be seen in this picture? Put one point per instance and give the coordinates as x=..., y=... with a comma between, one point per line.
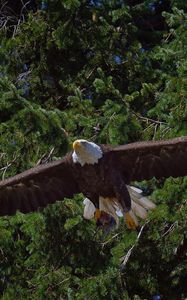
x=101, y=173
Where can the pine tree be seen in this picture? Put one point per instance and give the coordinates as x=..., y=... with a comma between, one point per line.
x=113, y=72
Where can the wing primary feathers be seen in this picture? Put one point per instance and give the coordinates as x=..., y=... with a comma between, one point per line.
x=145, y=160
x=37, y=187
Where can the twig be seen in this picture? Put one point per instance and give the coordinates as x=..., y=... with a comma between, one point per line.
x=165, y=131
x=90, y=73
x=155, y=130
x=110, y=119
x=23, y=7
x=2, y=154
x=45, y=157
x=167, y=37
x=108, y=241
x=170, y=228
x=59, y=283
x=23, y=75
x=7, y=14
x=125, y=258
x=149, y=126
x=148, y=120
x=4, y=169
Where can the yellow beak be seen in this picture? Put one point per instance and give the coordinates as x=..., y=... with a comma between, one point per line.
x=76, y=145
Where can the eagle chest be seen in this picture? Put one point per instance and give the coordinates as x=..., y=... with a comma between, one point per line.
x=89, y=177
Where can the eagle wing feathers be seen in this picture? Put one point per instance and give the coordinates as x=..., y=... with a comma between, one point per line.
x=37, y=187
x=144, y=160
x=47, y=183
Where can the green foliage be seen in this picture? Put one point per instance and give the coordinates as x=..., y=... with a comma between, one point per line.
x=112, y=72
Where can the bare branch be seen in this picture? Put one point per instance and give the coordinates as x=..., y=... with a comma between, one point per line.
x=148, y=120
x=4, y=169
x=125, y=258
x=170, y=228
x=45, y=157
x=108, y=241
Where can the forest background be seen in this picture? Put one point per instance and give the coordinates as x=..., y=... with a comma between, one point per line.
x=112, y=72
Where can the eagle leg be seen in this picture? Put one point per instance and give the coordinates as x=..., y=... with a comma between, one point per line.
x=124, y=199
x=121, y=193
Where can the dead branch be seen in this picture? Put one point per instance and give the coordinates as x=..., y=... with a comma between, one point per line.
x=148, y=120
x=170, y=228
x=125, y=258
x=5, y=168
x=45, y=157
x=108, y=241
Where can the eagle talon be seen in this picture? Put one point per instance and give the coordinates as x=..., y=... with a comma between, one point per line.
x=97, y=214
x=131, y=223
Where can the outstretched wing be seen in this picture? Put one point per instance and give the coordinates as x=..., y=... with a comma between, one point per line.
x=144, y=160
x=37, y=187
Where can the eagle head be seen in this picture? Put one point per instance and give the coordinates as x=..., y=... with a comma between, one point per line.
x=86, y=152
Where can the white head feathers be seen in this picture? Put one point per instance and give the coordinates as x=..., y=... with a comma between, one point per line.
x=86, y=152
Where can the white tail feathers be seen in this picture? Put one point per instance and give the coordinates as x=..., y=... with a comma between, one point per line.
x=110, y=206
x=89, y=209
x=136, y=196
x=139, y=210
x=139, y=206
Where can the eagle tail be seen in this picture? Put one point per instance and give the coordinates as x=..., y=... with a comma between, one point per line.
x=109, y=205
x=139, y=207
x=140, y=204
